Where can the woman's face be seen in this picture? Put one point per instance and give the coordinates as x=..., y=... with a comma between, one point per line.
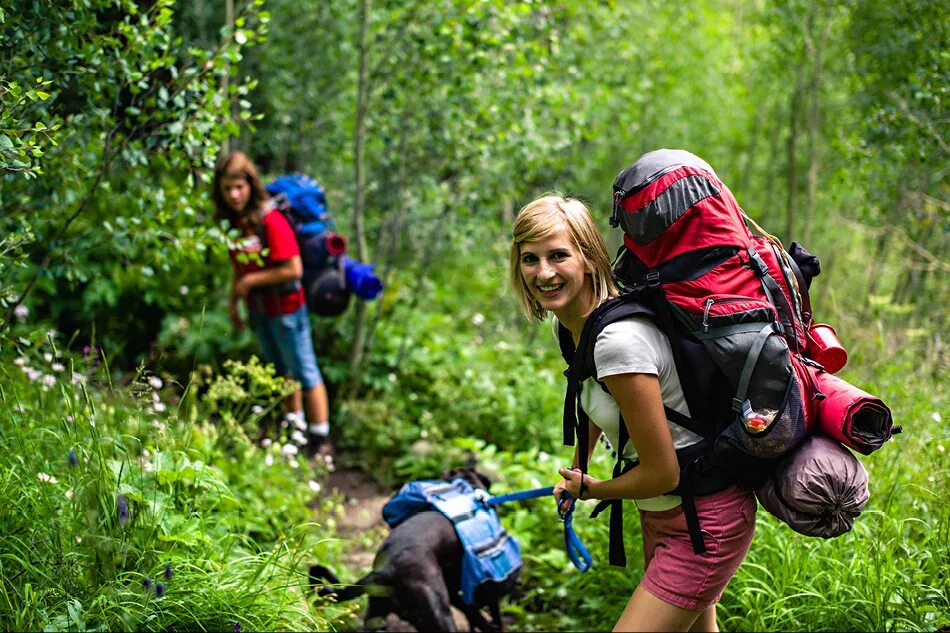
x=556, y=275
x=236, y=191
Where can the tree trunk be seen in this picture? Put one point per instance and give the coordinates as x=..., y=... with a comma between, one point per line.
x=229, y=24
x=359, y=202
x=814, y=125
x=794, y=129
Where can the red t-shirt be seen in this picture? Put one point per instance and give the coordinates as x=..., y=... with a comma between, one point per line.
x=281, y=246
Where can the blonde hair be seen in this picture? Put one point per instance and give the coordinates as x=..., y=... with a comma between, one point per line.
x=543, y=217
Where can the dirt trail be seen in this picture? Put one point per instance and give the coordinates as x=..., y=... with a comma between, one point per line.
x=364, y=500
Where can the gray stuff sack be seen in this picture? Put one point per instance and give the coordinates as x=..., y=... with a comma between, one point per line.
x=818, y=489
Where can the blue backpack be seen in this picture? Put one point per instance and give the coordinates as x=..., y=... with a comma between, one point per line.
x=301, y=200
x=490, y=554
x=329, y=276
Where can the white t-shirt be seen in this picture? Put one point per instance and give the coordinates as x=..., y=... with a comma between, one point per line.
x=635, y=346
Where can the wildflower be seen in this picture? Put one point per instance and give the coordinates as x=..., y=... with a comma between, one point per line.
x=158, y=407
x=69, y=494
x=237, y=627
x=183, y=290
x=57, y=367
x=21, y=312
x=47, y=478
x=299, y=438
x=159, y=589
x=269, y=459
x=48, y=357
x=256, y=409
x=155, y=382
x=266, y=442
x=288, y=450
x=147, y=583
x=73, y=460
x=122, y=508
x=169, y=572
x=314, y=485
x=478, y=318
x=20, y=361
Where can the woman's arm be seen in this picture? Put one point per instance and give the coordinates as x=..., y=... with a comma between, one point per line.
x=278, y=273
x=641, y=404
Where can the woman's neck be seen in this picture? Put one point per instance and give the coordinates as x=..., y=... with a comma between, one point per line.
x=574, y=316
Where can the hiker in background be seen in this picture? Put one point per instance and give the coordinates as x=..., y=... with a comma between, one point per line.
x=559, y=264
x=271, y=289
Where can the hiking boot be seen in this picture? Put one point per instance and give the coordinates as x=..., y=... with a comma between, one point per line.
x=321, y=448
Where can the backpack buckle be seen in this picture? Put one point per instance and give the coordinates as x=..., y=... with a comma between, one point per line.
x=615, y=214
x=653, y=278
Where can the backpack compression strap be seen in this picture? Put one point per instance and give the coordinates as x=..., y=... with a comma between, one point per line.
x=694, y=463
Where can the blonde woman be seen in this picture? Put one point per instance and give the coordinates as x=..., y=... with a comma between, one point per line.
x=559, y=264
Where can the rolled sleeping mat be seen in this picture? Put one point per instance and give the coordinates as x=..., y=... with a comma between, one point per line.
x=818, y=490
x=854, y=417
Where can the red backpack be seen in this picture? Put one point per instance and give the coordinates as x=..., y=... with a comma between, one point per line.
x=736, y=311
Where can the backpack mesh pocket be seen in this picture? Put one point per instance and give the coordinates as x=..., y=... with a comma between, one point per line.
x=742, y=337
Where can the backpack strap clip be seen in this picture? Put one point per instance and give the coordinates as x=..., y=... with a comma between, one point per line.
x=653, y=278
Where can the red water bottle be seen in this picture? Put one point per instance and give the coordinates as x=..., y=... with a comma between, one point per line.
x=824, y=347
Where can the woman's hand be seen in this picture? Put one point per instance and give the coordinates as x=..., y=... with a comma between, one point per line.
x=572, y=483
x=242, y=287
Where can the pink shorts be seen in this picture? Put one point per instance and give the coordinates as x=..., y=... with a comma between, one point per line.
x=674, y=572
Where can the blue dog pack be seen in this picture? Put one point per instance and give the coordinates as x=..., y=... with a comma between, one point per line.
x=489, y=552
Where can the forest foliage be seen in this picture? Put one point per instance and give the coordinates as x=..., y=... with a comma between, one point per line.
x=430, y=124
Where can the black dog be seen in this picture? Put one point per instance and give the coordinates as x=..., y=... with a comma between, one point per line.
x=417, y=575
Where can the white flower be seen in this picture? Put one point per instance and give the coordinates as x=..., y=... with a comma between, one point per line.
x=478, y=319
x=69, y=494
x=266, y=442
x=314, y=485
x=543, y=457
x=47, y=478
x=299, y=438
x=157, y=424
x=159, y=407
x=294, y=463
x=20, y=362
x=48, y=357
x=935, y=416
x=21, y=312
x=256, y=409
x=78, y=378
x=183, y=290
x=57, y=367
x=288, y=450
x=155, y=382
x=69, y=419
x=269, y=459
x=49, y=380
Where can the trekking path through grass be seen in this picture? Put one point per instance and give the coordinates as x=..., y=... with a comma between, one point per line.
x=362, y=526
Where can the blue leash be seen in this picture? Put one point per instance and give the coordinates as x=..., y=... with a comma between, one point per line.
x=575, y=549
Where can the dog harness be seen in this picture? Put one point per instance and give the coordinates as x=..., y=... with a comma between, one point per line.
x=490, y=554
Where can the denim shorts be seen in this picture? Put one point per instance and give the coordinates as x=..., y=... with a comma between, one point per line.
x=286, y=341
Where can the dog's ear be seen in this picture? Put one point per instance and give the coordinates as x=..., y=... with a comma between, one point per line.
x=483, y=480
x=452, y=473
